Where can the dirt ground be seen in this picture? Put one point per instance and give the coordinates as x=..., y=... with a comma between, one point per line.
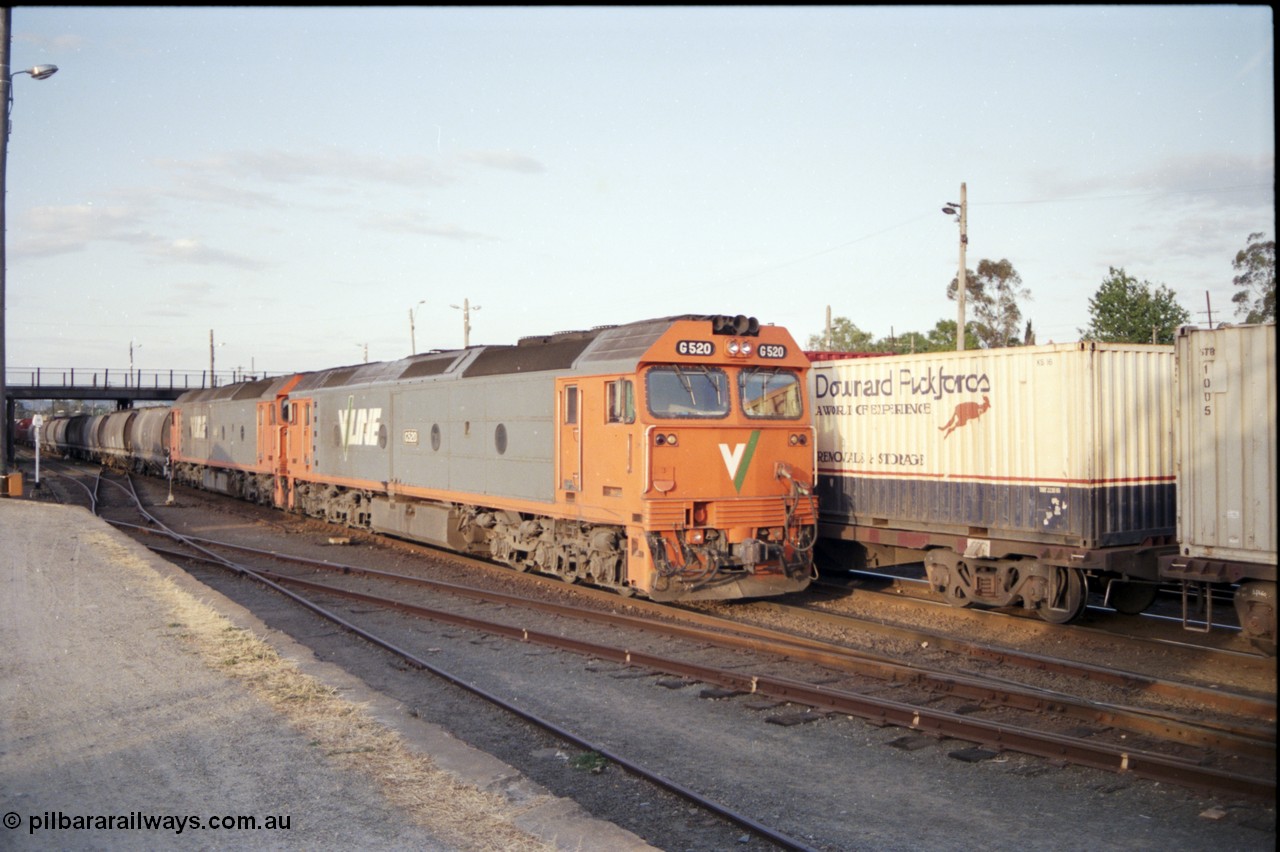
x=134, y=715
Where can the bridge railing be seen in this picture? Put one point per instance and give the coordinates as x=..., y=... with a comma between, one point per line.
x=104, y=378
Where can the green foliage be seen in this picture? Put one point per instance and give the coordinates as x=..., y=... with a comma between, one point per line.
x=1126, y=310
x=942, y=337
x=847, y=337
x=991, y=303
x=1255, y=296
x=844, y=337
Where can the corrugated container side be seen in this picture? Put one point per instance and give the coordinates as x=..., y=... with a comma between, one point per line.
x=1068, y=444
x=1226, y=421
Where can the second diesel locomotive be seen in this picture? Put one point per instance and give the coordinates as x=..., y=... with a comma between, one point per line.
x=671, y=458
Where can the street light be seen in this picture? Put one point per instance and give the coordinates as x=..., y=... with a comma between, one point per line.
x=38, y=72
x=961, y=212
x=413, y=343
x=132, y=347
x=213, y=382
x=466, y=309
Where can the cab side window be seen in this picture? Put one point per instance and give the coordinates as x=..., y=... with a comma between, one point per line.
x=621, y=401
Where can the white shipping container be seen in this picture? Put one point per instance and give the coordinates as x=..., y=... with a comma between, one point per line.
x=1066, y=444
x=1226, y=422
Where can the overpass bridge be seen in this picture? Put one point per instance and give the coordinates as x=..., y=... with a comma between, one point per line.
x=124, y=388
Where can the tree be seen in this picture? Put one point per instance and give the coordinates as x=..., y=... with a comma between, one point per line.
x=992, y=294
x=942, y=337
x=845, y=337
x=1126, y=310
x=1256, y=284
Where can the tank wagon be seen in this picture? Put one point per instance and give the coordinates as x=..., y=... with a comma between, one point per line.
x=672, y=458
x=1225, y=412
x=1015, y=475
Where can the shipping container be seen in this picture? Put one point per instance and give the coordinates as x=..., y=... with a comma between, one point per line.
x=1226, y=465
x=1013, y=474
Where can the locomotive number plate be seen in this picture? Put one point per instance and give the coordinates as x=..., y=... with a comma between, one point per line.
x=772, y=350
x=695, y=347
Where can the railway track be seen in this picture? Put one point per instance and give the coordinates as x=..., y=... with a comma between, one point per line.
x=1121, y=738
x=203, y=550
x=800, y=678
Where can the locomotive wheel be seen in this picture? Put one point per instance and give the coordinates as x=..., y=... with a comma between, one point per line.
x=1131, y=598
x=1072, y=596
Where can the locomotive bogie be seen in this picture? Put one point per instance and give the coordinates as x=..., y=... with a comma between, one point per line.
x=1010, y=462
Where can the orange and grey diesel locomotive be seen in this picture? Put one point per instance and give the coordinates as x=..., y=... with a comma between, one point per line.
x=671, y=458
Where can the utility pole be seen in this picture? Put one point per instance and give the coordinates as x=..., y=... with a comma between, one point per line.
x=413, y=343
x=962, y=209
x=36, y=72
x=466, y=320
x=826, y=339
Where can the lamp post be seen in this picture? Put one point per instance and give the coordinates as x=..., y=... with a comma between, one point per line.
x=961, y=212
x=38, y=72
x=413, y=343
x=466, y=309
x=132, y=346
x=213, y=382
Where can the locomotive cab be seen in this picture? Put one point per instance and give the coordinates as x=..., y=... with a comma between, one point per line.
x=705, y=454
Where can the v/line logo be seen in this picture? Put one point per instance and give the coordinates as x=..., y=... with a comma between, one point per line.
x=738, y=459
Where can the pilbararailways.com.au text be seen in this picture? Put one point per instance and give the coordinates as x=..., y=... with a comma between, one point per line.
x=141, y=821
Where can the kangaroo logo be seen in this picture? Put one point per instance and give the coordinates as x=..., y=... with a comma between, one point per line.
x=964, y=412
x=738, y=459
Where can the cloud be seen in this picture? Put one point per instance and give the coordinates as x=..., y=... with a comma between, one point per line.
x=286, y=167
x=505, y=160
x=1223, y=180
x=57, y=230
x=53, y=230
x=410, y=223
x=186, y=250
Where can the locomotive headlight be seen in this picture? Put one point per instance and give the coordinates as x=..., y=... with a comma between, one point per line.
x=746, y=349
x=671, y=439
x=798, y=439
x=734, y=347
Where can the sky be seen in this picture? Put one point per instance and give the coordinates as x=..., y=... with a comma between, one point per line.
x=318, y=186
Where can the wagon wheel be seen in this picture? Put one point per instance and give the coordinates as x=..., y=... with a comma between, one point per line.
x=1131, y=598
x=1067, y=602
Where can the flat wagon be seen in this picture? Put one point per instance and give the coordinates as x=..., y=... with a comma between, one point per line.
x=1015, y=475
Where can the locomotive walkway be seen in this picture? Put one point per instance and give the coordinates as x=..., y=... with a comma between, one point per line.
x=115, y=730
